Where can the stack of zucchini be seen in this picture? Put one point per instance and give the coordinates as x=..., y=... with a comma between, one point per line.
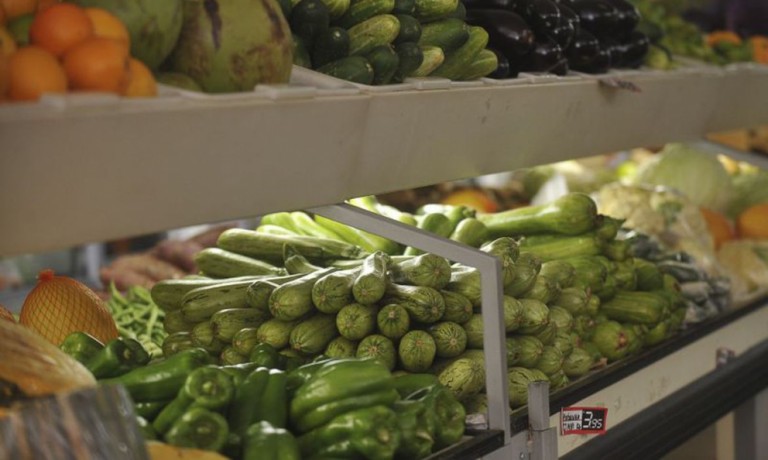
x=574, y=296
x=377, y=42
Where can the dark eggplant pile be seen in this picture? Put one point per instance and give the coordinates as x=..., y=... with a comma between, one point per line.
x=554, y=36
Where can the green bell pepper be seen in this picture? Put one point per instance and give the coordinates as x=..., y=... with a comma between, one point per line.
x=449, y=415
x=115, y=359
x=199, y=428
x=81, y=346
x=274, y=402
x=239, y=372
x=326, y=412
x=246, y=407
x=141, y=356
x=417, y=427
x=410, y=383
x=370, y=433
x=265, y=442
x=161, y=381
x=146, y=428
x=264, y=355
x=150, y=409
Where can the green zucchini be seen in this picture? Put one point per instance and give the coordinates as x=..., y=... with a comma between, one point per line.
x=293, y=299
x=626, y=276
x=433, y=57
x=404, y=7
x=174, y=322
x=269, y=229
x=410, y=29
x=424, y=304
x=457, y=62
x=572, y=214
x=280, y=219
x=350, y=69
x=474, y=330
x=548, y=334
x=275, y=333
x=577, y=363
x=202, y=336
x=470, y=231
x=460, y=12
x=513, y=314
x=257, y=294
x=270, y=247
x=379, y=348
x=530, y=350
x=428, y=270
x=559, y=271
x=218, y=263
x=463, y=377
x=304, y=223
x=176, y=342
x=430, y=10
x=484, y=63
x=544, y=290
x=245, y=339
x=649, y=277
x=334, y=290
x=385, y=62
x=588, y=272
x=376, y=31
x=458, y=308
x=371, y=284
x=573, y=299
x=393, y=321
x=167, y=294
x=507, y=251
x=466, y=281
x=361, y=10
x=565, y=247
x=447, y=34
x=410, y=57
x=311, y=336
x=562, y=318
x=551, y=361
x=295, y=263
x=617, y=250
x=199, y=304
x=230, y=357
x=434, y=222
x=535, y=317
x=341, y=347
x=636, y=307
x=563, y=343
x=416, y=351
x=226, y=323
x=356, y=321
x=450, y=339
x=527, y=270
x=308, y=19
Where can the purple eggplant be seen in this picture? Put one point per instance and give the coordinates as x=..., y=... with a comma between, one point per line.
x=507, y=5
x=634, y=50
x=507, y=31
x=562, y=34
x=503, y=70
x=615, y=50
x=597, y=16
x=629, y=17
x=582, y=51
x=545, y=56
x=568, y=15
x=542, y=15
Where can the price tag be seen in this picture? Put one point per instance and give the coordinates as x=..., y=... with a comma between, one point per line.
x=583, y=420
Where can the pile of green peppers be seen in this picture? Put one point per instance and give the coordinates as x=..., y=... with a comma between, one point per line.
x=111, y=360
x=273, y=408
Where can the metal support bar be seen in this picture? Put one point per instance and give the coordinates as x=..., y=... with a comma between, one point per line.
x=544, y=437
x=760, y=161
x=490, y=271
x=751, y=423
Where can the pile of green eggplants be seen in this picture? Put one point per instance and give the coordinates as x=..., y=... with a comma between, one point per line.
x=275, y=407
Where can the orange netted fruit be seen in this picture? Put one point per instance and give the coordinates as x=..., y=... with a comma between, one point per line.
x=107, y=25
x=60, y=27
x=7, y=43
x=142, y=83
x=98, y=64
x=16, y=8
x=33, y=71
x=59, y=305
x=753, y=223
x=719, y=227
x=43, y=4
x=6, y=315
x=474, y=198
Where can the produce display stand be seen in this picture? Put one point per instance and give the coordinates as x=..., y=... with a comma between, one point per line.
x=79, y=169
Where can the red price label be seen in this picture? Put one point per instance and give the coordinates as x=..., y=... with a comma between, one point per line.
x=583, y=420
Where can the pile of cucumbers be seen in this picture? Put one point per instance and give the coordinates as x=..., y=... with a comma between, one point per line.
x=377, y=42
x=574, y=297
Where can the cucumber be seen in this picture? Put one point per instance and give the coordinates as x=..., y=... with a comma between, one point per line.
x=330, y=45
x=311, y=336
x=447, y=34
x=356, y=69
x=470, y=231
x=356, y=321
x=393, y=321
x=378, y=347
x=275, y=332
x=450, y=339
x=245, y=339
x=410, y=29
x=177, y=342
x=434, y=222
x=431, y=10
x=484, y=63
x=417, y=351
x=270, y=247
x=424, y=304
x=199, y=304
x=458, y=308
x=410, y=56
x=376, y=31
x=341, y=347
x=456, y=63
x=308, y=19
x=385, y=62
x=371, y=284
x=336, y=8
x=460, y=12
x=301, y=53
x=333, y=291
x=404, y=7
x=218, y=263
x=226, y=323
x=427, y=270
x=174, y=322
x=433, y=58
x=202, y=336
x=361, y=10
x=167, y=294
x=293, y=299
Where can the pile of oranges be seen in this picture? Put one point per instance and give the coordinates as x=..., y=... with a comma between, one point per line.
x=52, y=47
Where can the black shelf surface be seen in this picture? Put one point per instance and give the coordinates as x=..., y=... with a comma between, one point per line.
x=602, y=378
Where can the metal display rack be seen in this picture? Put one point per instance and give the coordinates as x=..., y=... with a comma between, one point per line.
x=79, y=169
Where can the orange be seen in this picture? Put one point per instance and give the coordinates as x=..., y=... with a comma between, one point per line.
x=16, y=8
x=753, y=223
x=719, y=226
x=142, y=82
x=43, y=4
x=7, y=43
x=33, y=71
x=473, y=198
x=60, y=27
x=98, y=64
x=107, y=25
